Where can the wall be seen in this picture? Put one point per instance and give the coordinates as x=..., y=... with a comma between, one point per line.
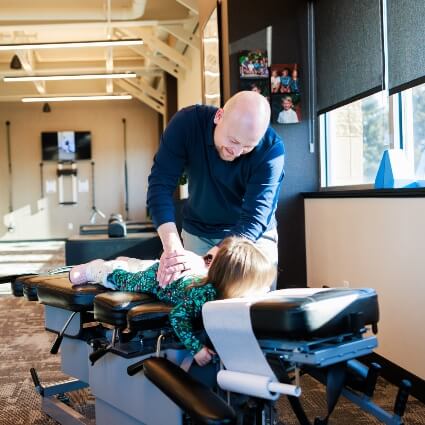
x=190, y=87
x=377, y=243
x=104, y=120
x=206, y=7
x=288, y=20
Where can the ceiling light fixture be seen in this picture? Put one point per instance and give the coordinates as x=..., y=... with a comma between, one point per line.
x=76, y=98
x=72, y=44
x=11, y=79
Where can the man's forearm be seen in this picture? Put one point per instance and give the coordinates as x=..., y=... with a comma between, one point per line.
x=169, y=236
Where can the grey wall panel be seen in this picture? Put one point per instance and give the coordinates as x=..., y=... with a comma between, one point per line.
x=289, y=45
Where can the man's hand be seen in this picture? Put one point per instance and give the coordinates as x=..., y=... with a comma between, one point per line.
x=204, y=356
x=178, y=263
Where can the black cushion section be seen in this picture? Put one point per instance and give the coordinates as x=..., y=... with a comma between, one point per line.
x=148, y=316
x=112, y=307
x=117, y=229
x=17, y=284
x=30, y=283
x=57, y=291
x=30, y=293
x=196, y=399
x=323, y=314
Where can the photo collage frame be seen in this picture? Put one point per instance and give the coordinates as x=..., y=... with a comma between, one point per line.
x=279, y=83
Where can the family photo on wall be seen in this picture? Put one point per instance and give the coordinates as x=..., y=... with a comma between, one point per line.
x=285, y=93
x=280, y=84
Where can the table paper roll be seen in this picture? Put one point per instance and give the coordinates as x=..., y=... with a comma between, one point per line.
x=255, y=385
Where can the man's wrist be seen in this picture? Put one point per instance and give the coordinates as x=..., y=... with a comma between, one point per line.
x=169, y=237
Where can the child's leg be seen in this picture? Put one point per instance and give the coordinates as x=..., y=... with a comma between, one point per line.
x=142, y=281
x=95, y=271
x=135, y=265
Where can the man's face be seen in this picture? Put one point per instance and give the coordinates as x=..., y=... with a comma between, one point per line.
x=232, y=139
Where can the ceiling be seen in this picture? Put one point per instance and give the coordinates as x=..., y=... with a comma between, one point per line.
x=167, y=27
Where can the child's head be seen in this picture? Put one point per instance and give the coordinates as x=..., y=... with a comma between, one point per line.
x=294, y=74
x=274, y=73
x=240, y=269
x=285, y=72
x=255, y=88
x=287, y=103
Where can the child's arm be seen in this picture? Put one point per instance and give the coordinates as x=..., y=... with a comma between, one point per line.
x=182, y=317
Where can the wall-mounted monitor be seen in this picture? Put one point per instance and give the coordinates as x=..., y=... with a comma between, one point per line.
x=65, y=145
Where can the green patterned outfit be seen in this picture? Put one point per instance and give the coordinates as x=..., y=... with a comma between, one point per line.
x=187, y=302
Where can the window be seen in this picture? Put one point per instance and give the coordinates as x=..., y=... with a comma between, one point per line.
x=354, y=138
x=418, y=122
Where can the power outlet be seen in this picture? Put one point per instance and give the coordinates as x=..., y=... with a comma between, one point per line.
x=70, y=226
x=345, y=283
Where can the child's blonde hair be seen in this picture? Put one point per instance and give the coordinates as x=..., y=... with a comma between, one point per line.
x=240, y=269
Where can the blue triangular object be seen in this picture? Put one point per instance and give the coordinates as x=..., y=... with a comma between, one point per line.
x=384, y=176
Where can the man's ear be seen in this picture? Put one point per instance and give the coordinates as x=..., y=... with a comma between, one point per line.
x=218, y=115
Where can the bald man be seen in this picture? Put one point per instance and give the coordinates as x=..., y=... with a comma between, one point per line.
x=234, y=162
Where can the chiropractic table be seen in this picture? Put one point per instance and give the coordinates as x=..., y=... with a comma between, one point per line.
x=121, y=345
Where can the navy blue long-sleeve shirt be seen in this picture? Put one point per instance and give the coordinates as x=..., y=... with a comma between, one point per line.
x=226, y=198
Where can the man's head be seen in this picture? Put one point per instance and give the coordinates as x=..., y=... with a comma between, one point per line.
x=240, y=124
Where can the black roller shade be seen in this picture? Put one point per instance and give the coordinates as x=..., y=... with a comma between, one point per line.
x=349, y=51
x=406, y=48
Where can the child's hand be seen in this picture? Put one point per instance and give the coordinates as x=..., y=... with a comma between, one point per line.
x=204, y=356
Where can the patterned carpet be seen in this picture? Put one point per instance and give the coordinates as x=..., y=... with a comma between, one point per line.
x=25, y=344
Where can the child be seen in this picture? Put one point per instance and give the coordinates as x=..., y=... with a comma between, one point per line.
x=287, y=115
x=275, y=81
x=285, y=81
x=238, y=269
x=295, y=82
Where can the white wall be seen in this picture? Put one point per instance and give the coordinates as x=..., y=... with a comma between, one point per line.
x=377, y=243
x=36, y=218
x=189, y=89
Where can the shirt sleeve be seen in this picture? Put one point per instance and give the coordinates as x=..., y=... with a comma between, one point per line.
x=261, y=195
x=144, y=281
x=168, y=166
x=183, y=315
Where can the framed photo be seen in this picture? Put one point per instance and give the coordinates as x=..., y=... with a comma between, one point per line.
x=286, y=108
x=253, y=64
x=284, y=78
x=258, y=85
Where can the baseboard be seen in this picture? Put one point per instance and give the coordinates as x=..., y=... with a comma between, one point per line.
x=395, y=374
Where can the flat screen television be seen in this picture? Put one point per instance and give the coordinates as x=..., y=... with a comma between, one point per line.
x=65, y=145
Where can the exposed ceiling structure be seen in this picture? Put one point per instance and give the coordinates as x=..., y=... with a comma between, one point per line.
x=168, y=29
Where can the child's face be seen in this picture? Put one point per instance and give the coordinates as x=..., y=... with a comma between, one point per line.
x=294, y=73
x=285, y=72
x=274, y=73
x=287, y=104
